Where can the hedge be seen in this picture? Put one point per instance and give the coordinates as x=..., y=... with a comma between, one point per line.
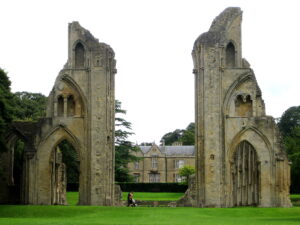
x=153, y=187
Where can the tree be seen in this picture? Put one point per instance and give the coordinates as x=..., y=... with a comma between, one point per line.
x=289, y=119
x=70, y=159
x=29, y=106
x=185, y=136
x=6, y=109
x=188, y=135
x=146, y=143
x=186, y=171
x=171, y=137
x=289, y=125
x=123, y=147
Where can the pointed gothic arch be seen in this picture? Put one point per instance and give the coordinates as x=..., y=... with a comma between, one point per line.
x=47, y=158
x=230, y=55
x=79, y=55
x=245, y=175
x=229, y=96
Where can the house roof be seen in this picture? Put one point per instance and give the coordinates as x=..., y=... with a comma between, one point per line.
x=172, y=150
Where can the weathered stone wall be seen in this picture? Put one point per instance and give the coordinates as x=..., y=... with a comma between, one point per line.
x=229, y=110
x=80, y=110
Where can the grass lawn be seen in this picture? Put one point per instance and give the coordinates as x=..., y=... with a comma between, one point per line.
x=155, y=196
x=93, y=215
x=72, y=197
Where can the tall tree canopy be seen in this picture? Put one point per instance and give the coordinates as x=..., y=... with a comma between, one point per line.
x=289, y=125
x=6, y=109
x=289, y=120
x=185, y=136
x=29, y=106
x=123, y=147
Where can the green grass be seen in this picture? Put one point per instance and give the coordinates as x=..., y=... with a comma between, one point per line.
x=295, y=196
x=96, y=215
x=72, y=197
x=93, y=215
x=155, y=196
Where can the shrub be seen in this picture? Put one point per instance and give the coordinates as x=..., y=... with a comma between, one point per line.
x=153, y=187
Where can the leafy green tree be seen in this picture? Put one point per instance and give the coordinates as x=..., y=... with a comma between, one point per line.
x=186, y=171
x=123, y=147
x=146, y=143
x=171, y=137
x=186, y=136
x=289, y=119
x=289, y=125
x=70, y=159
x=5, y=107
x=29, y=106
x=292, y=144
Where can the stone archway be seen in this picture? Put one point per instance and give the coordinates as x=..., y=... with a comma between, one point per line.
x=65, y=171
x=245, y=172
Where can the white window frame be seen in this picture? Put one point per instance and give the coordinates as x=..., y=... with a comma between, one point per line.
x=136, y=177
x=154, y=162
x=154, y=177
x=178, y=178
x=136, y=165
x=179, y=163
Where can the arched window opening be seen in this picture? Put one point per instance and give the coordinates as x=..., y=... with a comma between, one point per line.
x=60, y=106
x=243, y=106
x=79, y=56
x=71, y=106
x=65, y=167
x=245, y=176
x=230, y=55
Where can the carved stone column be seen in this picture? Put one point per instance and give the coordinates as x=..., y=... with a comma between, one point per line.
x=65, y=106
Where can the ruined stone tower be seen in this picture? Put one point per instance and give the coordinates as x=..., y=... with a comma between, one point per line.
x=82, y=104
x=240, y=160
x=80, y=110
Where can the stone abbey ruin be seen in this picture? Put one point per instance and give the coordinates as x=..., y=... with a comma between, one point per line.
x=240, y=160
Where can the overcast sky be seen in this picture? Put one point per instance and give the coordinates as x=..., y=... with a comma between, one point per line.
x=153, y=41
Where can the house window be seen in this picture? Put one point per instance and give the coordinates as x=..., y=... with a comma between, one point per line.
x=179, y=163
x=136, y=165
x=178, y=178
x=154, y=162
x=154, y=178
x=136, y=177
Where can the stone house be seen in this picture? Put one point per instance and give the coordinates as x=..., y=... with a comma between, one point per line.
x=161, y=163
